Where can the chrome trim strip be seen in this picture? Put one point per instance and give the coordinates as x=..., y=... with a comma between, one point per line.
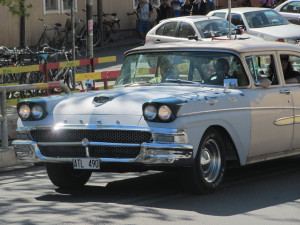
x=233, y=109
x=154, y=130
x=273, y=156
x=90, y=144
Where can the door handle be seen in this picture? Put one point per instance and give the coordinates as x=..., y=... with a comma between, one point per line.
x=157, y=40
x=286, y=91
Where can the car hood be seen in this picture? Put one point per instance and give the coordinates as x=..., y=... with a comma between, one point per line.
x=282, y=31
x=123, y=106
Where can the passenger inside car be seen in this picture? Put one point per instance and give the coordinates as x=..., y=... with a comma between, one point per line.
x=290, y=75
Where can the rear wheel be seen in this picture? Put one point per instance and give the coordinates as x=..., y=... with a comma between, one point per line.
x=106, y=33
x=64, y=176
x=209, y=166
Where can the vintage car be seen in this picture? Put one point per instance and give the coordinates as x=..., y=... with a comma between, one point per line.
x=202, y=28
x=195, y=108
x=262, y=22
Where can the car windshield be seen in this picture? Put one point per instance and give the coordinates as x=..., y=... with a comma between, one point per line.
x=183, y=67
x=265, y=18
x=214, y=28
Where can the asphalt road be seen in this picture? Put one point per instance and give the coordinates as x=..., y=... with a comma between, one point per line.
x=264, y=194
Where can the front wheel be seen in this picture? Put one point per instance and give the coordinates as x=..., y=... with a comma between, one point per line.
x=64, y=176
x=209, y=166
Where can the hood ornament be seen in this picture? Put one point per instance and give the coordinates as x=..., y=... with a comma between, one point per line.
x=99, y=100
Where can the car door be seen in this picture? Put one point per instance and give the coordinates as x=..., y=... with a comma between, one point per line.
x=271, y=108
x=291, y=11
x=294, y=90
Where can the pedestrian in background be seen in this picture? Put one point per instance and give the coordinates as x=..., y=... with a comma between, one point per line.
x=267, y=3
x=186, y=8
x=211, y=5
x=176, y=4
x=144, y=9
x=165, y=11
x=200, y=7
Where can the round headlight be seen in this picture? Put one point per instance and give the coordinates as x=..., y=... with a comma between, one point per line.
x=24, y=112
x=164, y=112
x=37, y=111
x=150, y=112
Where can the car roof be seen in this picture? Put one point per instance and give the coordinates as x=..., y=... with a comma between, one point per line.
x=239, y=46
x=190, y=18
x=243, y=9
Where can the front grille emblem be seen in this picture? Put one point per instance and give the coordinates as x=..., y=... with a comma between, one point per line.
x=85, y=142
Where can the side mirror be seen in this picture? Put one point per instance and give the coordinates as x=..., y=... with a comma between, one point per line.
x=193, y=37
x=229, y=83
x=242, y=28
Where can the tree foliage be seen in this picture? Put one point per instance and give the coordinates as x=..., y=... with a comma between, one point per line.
x=17, y=7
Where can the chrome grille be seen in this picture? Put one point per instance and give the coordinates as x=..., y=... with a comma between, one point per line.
x=98, y=152
x=112, y=136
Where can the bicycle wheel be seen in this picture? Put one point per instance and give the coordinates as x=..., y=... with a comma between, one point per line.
x=106, y=32
x=77, y=85
x=96, y=38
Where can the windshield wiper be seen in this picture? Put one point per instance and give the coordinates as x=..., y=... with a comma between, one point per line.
x=183, y=81
x=138, y=83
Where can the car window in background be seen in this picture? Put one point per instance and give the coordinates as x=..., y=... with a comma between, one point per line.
x=292, y=7
x=219, y=14
x=236, y=19
x=170, y=29
x=264, y=19
x=216, y=28
x=185, y=30
x=262, y=66
x=160, y=30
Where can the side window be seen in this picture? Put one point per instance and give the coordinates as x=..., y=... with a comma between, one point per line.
x=236, y=19
x=290, y=65
x=160, y=30
x=170, y=29
x=218, y=14
x=262, y=66
x=293, y=7
x=185, y=30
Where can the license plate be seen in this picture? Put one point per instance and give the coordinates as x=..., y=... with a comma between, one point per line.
x=86, y=164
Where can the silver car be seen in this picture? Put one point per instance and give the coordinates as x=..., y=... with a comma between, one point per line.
x=261, y=22
x=290, y=10
x=202, y=28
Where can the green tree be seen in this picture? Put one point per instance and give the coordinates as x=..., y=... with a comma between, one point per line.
x=17, y=7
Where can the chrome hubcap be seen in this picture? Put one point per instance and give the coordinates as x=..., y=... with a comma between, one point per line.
x=210, y=160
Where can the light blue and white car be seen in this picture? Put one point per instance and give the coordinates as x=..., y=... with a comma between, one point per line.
x=197, y=107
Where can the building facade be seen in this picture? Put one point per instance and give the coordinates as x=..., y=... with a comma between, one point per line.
x=56, y=11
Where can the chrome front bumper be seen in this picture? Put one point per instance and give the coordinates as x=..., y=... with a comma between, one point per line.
x=150, y=154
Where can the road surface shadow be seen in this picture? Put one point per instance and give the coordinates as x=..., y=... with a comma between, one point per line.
x=244, y=190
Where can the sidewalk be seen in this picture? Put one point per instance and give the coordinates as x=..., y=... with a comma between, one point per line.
x=7, y=156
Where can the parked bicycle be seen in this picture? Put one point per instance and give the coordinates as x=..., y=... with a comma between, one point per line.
x=80, y=34
x=53, y=35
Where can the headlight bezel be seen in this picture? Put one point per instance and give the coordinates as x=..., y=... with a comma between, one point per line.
x=159, y=106
x=32, y=106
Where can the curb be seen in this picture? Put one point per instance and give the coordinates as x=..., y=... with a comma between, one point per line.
x=7, y=157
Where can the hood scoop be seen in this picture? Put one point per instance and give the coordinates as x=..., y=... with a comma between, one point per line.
x=100, y=100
